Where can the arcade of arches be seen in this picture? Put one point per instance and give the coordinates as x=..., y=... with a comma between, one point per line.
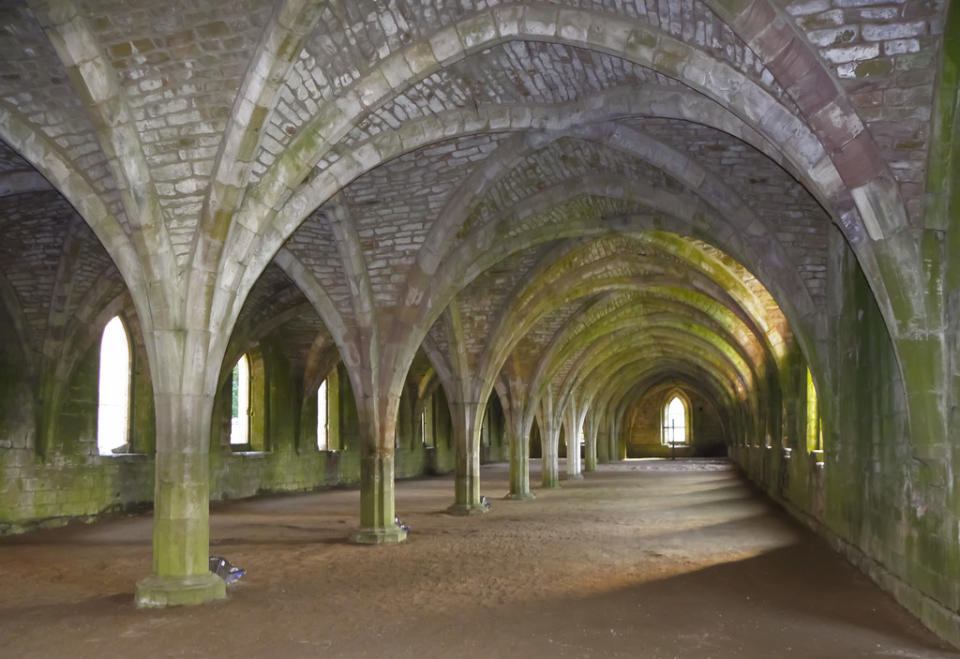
x=481, y=230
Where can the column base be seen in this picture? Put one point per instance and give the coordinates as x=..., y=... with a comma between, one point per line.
x=552, y=485
x=520, y=496
x=156, y=592
x=390, y=535
x=467, y=509
x=573, y=477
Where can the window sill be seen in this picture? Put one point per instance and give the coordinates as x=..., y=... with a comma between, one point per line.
x=247, y=452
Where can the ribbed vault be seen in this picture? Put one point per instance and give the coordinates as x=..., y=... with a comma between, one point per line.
x=565, y=205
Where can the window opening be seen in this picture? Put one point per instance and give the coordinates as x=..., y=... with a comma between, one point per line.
x=113, y=409
x=675, y=422
x=814, y=425
x=240, y=406
x=322, y=428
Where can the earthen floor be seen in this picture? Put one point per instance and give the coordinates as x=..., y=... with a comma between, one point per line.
x=641, y=559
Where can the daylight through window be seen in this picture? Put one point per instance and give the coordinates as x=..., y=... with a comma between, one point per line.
x=113, y=412
x=675, y=422
x=322, y=427
x=240, y=406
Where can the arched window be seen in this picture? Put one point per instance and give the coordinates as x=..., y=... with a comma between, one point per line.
x=322, y=428
x=113, y=410
x=675, y=422
x=240, y=405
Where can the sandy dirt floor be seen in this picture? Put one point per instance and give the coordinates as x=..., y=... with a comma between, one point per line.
x=641, y=559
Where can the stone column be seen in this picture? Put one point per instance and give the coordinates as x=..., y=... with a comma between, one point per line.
x=590, y=446
x=616, y=453
x=181, y=529
x=551, y=464
x=572, y=436
x=466, y=435
x=602, y=441
x=377, y=512
x=519, y=465
x=519, y=446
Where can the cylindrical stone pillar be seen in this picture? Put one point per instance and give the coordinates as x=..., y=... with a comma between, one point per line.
x=519, y=467
x=377, y=514
x=590, y=452
x=602, y=442
x=467, y=475
x=573, y=460
x=181, y=507
x=572, y=436
x=550, y=469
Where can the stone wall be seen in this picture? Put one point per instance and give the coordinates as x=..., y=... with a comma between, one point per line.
x=865, y=492
x=74, y=482
x=641, y=431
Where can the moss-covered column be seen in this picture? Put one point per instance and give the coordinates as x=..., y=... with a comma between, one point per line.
x=377, y=512
x=519, y=459
x=181, y=530
x=602, y=443
x=590, y=445
x=551, y=464
x=549, y=443
x=467, y=418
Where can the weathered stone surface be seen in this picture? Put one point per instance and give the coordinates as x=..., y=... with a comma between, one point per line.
x=481, y=222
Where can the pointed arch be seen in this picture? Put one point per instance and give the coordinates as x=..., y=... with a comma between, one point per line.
x=675, y=415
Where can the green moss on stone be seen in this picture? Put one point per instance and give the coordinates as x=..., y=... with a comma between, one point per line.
x=873, y=68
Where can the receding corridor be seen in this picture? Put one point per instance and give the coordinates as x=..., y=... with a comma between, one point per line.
x=640, y=559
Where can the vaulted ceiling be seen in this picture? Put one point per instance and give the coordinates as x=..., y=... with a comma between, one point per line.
x=586, y=194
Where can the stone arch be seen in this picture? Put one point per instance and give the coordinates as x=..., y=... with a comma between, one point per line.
x=10, y=305
x=19, y=410
x=611, y=356
x=590, y=279
x=864, y=207
x=638, y=379
x=99, y=88
x=615, y=36
x=589, y=377
x=322, y=365
x=321, y=359
x=48, y=159
x=541, y=375
x=594, y=363
x=486, y=253
x=96, y=308
x=290, y=22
